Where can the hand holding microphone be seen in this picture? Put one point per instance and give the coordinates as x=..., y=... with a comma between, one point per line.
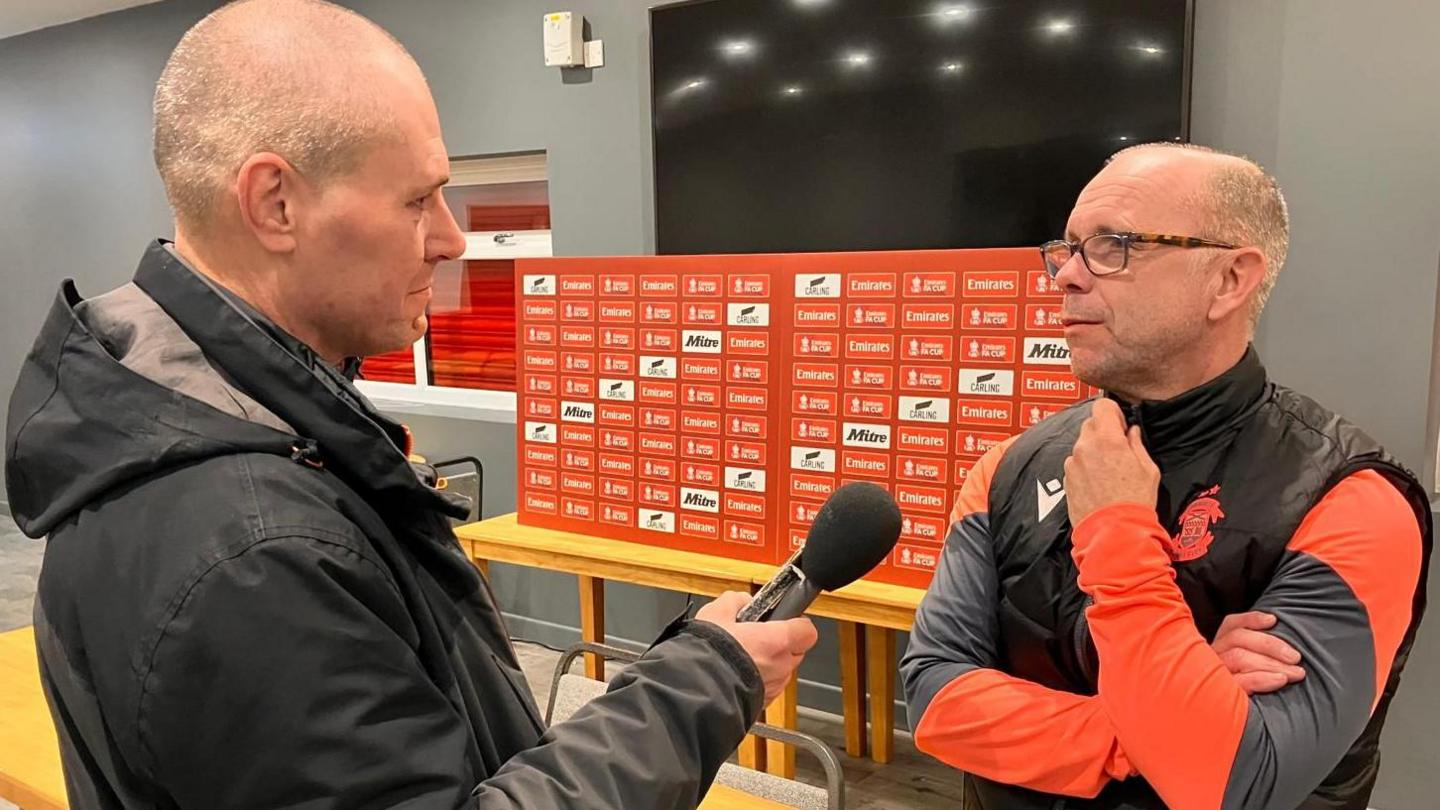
x=855, y=529
x=777, y=648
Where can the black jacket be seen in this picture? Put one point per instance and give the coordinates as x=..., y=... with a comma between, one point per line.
x=251, y=599
x=1243, y=462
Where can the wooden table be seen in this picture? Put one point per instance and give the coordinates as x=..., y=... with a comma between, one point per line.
x=30, y=774
x=869, y=613
x=721, y=797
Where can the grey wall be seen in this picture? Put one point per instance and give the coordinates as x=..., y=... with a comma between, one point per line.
x=1337, y=99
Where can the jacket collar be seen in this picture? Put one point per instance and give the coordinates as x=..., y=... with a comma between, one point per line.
x=355, y=441
x=1178, y=428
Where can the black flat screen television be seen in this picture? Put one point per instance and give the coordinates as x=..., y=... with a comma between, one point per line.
x=818, y=125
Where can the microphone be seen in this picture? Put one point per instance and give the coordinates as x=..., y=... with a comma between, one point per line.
x=855, y=529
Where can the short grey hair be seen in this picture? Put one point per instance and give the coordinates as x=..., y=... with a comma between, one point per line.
x=1241, y=204
x=264, y=76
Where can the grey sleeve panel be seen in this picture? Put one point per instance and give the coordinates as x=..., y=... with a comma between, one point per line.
x=956, y=625
x=1295, y=737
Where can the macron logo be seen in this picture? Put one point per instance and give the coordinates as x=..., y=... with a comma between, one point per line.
x=1048, y=495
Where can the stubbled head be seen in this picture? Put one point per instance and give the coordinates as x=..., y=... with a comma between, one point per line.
x=301, y=152
x=1162, y=325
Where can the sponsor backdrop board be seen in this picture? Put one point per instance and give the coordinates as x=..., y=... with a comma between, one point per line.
x=711, y=403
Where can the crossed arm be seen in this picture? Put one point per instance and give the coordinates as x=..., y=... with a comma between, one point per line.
x=1171, y=706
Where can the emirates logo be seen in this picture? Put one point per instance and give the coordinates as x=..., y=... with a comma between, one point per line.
x=1195, y=537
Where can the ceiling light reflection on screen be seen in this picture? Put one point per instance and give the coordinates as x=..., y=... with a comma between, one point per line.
x=952, y=13
x=690, y=87
x=1059, y=27
x=738, y=48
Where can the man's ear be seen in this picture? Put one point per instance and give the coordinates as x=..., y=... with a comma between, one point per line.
x=266, y=191
x=1241, y=274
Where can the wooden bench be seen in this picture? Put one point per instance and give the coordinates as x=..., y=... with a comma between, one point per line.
x=30, y=774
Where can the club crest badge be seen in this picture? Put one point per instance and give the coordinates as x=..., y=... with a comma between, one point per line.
x=1195, y=537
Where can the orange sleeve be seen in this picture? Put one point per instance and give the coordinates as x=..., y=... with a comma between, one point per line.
x=1342, y=597
x=1365, y=534
x=1018, y=732
x=967, y=713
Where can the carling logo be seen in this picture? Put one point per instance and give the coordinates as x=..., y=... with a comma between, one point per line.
x=620, y=390
x=663, y=368
x=924, y=409
x=813, y=459
x=822, y=286
x=748, y=314
x=657, y=521
x=538, y=285
x=987, y=382
x=744, y=479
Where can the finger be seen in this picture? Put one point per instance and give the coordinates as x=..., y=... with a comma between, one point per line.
x=800, y=635
x=1137, y=444
x=1107, y=416
x=1259, y=683
x=740, y=597
x=724, y=607
x=1240, y=661
x=782, y=676
x=1265, y=644
x=1249, y=620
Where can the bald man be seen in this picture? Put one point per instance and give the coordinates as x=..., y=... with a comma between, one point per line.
x=250, y=598
x=1198, y=591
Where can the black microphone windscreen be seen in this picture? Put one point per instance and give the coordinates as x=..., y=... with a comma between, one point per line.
x=853, y=531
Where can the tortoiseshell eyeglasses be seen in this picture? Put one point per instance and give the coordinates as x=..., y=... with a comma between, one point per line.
x=1106, y=254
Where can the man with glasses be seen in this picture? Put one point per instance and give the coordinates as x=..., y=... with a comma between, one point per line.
x=1219, y=615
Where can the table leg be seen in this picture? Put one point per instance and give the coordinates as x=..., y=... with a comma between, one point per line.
x=779, y=757
x=752, y=753
x=592, y=622
x=852, y=685
x=880, y=668
x=484, y=566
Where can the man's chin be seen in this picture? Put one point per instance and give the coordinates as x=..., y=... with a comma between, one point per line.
x=399, y=341
x=1088, y=368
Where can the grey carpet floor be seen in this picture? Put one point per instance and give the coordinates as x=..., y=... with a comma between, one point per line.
x=19, y=570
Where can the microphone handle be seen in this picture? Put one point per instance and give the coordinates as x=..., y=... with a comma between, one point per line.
x=795, y=600
x=761, y=604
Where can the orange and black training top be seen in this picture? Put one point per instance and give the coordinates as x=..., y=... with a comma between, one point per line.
x=1070, y=666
